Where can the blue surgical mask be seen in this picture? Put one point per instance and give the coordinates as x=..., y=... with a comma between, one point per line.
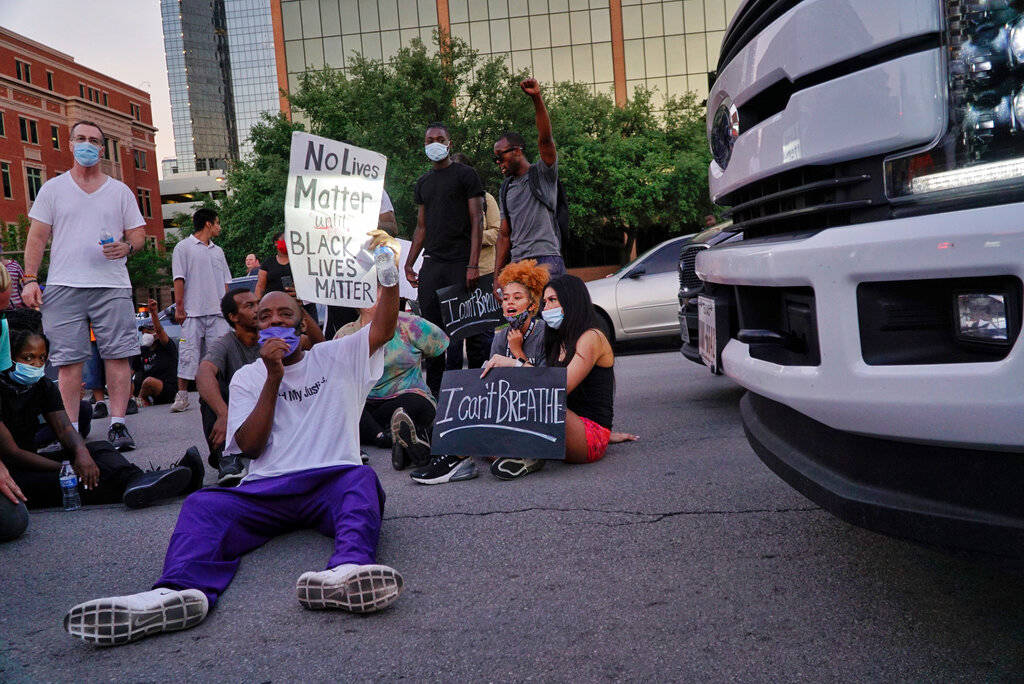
x=436, y=151
x=519, y=320
x=289, y=335
x=553, y=317
x=24, y=374
x=86, y=153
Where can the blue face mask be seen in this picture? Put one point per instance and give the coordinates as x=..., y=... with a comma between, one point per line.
x=24, y=374
x=436, y=151
x=278, y=333
x=86, y=153
x=553, y=317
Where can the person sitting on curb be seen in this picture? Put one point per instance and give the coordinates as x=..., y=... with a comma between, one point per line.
x=575, y=342
x=26, y=397
x=156, y=369
x=521, y=342
x=226, y=355
x=399, y=411
x=296, y=415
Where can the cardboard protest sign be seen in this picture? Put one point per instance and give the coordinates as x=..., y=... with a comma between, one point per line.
x=333, y=199
x=468, y=313
x=509, y=412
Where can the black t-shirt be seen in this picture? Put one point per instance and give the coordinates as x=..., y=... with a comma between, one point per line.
x=274, y=272
x=159, y=361
x=22, y=407
x=445, y=195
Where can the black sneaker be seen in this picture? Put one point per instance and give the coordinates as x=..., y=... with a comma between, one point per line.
x=147, y=488
x=443, y=469
x=99, y=410
x=511, y=468
x=230, y=470
x=133, y=407
x=407, y=448
x=119, y=436
x=364, y=457
x=194, y=462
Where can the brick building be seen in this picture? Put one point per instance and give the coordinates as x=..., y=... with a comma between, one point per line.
x=42, y=93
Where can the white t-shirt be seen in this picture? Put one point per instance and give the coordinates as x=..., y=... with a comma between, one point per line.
x=385, y=203
x=78, y=220
x=205, y=272
x=316, y=418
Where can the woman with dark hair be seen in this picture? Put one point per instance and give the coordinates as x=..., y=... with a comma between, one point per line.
x=275, y=274
x=574, y=340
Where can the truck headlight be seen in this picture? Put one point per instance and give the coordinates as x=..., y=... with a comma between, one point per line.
x=982, y=317
x=983, y=146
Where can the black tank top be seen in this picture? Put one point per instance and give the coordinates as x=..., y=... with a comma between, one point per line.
x=593, y=397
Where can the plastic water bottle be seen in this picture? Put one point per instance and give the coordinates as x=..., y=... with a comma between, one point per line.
x=69, y=487
x=387, y=270
x=106, y=238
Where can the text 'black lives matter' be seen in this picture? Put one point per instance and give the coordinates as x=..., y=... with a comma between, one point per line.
x=509, y=412
x=468, y=313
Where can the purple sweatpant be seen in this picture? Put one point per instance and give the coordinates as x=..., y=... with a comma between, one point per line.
x=218, y=525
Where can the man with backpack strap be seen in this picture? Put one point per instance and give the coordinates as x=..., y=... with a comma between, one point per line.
x=531, y=197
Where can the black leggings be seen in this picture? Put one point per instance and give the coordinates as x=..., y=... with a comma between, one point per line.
x=376, y=416
x=42, y=487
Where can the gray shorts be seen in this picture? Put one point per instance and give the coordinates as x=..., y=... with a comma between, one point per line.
x=68, y=312
x=197, y=333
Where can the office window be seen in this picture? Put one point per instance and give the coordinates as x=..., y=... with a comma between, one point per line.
x=23, y=70
x=140, y=159
x=29, y=133
x=136, y=111
x=105, y=100
x=5, y=175
x=49, y=80
x=142, y=194
x=55, y=137
x=35, y=181
x=81, y=90
x=110, y=150
x=3, y=133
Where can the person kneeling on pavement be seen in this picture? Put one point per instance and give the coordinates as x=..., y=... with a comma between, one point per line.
x=296, y=415
x=27, y=397
x=156, y=369
x=400, y=409
x=521, y=342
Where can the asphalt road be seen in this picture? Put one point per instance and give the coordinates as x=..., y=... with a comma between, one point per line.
x=677, y=558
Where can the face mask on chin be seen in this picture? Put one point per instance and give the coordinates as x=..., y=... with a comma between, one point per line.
x=518, y=320
x=289, y=335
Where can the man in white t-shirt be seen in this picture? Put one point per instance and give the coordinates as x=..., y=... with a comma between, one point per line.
x=296, y=414
x=201, y=277
x=95, y=223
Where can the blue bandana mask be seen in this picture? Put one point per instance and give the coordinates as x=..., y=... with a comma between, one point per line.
x=280, y=333
x=436, y=151
x=553, y=317
x=86, y=153
x=24, y=374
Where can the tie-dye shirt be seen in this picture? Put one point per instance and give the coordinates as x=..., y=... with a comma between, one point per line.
x=415, y=338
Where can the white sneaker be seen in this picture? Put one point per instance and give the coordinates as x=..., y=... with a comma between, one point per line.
x=356, y=588
x=122, y=619
x=180, y=402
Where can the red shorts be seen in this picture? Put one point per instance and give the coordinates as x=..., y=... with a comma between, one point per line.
x=597, y=439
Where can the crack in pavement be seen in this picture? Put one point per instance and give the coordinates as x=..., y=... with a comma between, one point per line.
x=650, y=518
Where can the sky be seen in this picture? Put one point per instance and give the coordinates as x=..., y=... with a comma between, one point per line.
x=120, y=38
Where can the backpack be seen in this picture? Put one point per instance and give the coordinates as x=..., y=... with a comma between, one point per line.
x=560, y=210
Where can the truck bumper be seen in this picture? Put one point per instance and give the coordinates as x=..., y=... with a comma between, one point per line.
x=967, y=499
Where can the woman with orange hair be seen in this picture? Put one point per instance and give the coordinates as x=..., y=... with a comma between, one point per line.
x=520, y=343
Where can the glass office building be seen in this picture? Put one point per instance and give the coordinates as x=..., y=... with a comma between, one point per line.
x=611, y=45
x=222, y=74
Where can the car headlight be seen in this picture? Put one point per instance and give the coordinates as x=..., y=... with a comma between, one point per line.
x=725, y=128
x=983, y=146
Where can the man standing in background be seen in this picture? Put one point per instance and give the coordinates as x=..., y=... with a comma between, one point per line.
x=95, y=223
x=201, y=277
x=252, y=265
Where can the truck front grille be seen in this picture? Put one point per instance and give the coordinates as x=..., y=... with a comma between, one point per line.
x=689, y=283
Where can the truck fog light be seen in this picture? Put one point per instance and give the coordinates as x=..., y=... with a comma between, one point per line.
x=982, y=317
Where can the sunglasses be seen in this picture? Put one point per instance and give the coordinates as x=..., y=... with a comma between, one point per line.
x=501, y=154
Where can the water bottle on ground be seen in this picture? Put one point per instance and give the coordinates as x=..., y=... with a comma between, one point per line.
x=387, y=269
x=106, y=238
x=69, y=487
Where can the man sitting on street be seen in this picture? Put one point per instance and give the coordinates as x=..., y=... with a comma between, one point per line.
x=156, y=369
x=226, y=355
x=296, y=415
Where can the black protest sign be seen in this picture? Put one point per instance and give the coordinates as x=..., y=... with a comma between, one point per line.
x=468, y=313
x=517, y=412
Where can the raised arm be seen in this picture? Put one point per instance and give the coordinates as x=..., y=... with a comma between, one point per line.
x=545, y=140
x=154, y=317
x=35, y=244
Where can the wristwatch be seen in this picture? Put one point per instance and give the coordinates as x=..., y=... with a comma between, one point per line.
x=520, y=363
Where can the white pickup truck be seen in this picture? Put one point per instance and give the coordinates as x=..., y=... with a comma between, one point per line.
x=872, y=153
